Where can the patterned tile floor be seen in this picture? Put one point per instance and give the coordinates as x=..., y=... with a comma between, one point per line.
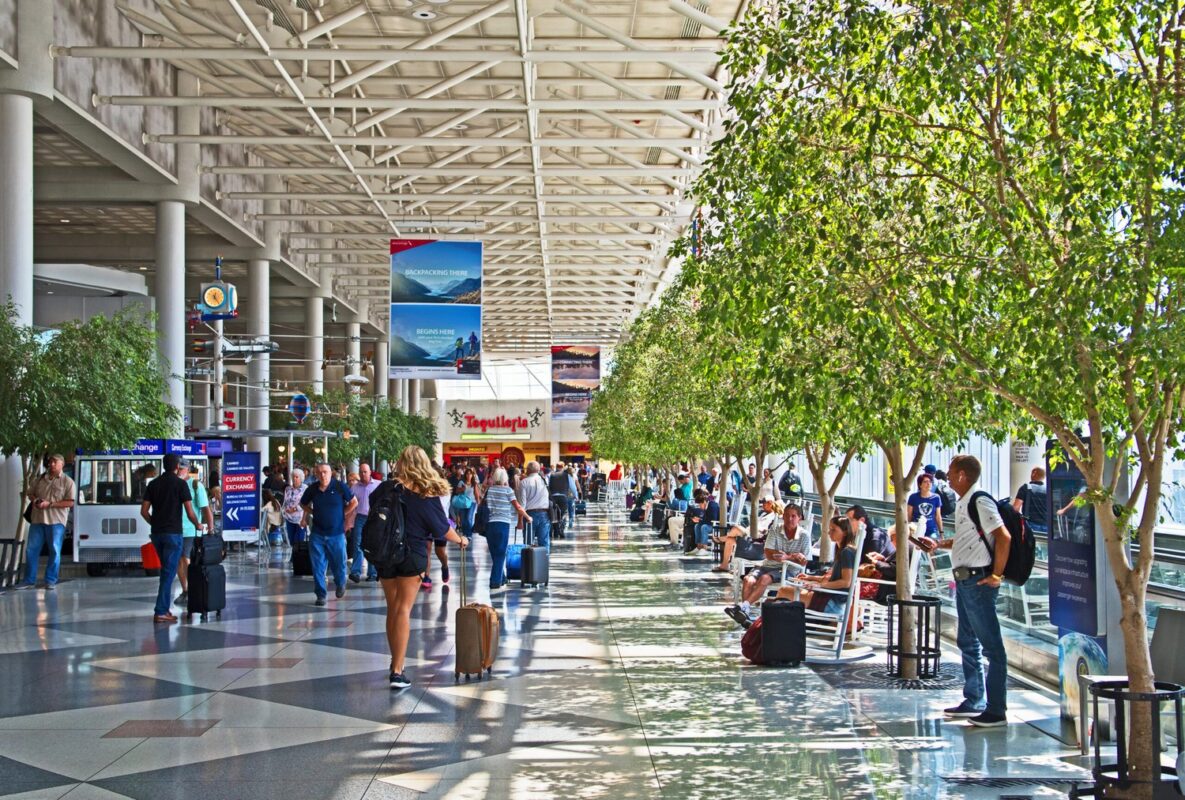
x=623, y=679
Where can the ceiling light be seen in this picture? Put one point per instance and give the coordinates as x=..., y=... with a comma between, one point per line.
x=50, y=291
x=63, y=220
x=424, y=14
x=143, y=269
x=438, y=2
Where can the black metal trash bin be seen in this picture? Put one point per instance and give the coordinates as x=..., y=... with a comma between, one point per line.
x=926, y=648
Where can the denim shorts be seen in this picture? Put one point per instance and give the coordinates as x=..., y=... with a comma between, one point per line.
x=413, y=565
x=187, y=546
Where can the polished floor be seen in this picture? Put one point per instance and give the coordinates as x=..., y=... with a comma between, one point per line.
x=623, y=679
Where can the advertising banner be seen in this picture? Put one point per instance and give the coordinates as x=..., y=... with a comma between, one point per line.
x=575, y=375
x=436, y=309
x=1073, y=578
x=240, y=496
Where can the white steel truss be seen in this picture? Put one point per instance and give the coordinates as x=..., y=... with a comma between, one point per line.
x=563, y=134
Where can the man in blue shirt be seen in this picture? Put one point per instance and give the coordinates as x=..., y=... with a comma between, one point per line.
x=326, y=502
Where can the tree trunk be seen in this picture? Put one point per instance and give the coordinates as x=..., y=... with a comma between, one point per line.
x=10, y=569
x=816, y=462
x=1143, y=753
x=754, y=488
x=901, y=476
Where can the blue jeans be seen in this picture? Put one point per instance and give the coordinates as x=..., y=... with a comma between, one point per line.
x=979, y=634
x=497, y=537
x=571, y=511
x=295, y=532
x=541, y=528
x=168, y=550
x=703, y=533
x=324, y=548
x=356, y=557
x=39, y=534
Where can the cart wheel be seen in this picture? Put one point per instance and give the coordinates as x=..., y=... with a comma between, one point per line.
x=218, y=615
x=204, y=617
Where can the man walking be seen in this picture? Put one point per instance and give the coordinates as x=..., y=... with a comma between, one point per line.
x=51, y=496
x=326, y=503
x=978, y=556
x=362, y=490
x=165, y=499
x=1032, y=501
x=535, y=500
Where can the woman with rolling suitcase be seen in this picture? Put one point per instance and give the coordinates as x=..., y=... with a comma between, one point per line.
x=423, y=519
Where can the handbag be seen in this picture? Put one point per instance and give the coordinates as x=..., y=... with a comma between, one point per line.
x=462, y=502
x=750, y=550
x=28, y=515
x=481, y=519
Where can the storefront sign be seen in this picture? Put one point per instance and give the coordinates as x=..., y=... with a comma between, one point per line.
x=183, y=447
x=512, y=423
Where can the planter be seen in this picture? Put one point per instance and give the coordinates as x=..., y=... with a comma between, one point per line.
x=926, y=649
x=1114, y=779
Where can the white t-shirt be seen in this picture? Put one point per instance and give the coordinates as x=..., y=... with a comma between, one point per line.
x=968, y=549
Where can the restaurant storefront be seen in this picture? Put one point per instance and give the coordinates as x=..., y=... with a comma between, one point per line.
x=477, y=432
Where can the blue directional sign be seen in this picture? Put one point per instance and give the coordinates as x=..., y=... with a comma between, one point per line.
x=240, y=494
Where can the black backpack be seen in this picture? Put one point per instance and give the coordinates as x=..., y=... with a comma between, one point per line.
x=949, y=500
x=1022, y=551
x=384, y=536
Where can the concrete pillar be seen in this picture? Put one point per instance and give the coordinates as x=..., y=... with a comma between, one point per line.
x=259, y=374
x=413, y=397
x=314, y=351
x=381, y=384
x=16, y=250
x=555, y=451
x=398, y=395
x=170, y=299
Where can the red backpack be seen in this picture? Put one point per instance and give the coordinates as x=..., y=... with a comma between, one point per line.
x=751, y=643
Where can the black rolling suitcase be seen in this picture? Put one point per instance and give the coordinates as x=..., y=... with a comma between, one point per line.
x=535, y=561
x=783, y=632
x=207, y=590
x=637, y=514
x=302, y=560
x=658, y=518
x=689, y=524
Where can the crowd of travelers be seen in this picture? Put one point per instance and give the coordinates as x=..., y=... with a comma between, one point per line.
x=777, y=558
x=325, y=510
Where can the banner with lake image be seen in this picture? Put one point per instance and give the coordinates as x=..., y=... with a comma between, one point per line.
x=436, y=309
x=575, y=375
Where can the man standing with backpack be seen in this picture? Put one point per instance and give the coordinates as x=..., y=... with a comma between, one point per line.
x=979, y=556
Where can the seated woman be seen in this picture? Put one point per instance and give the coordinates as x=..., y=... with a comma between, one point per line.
x=703, y=512
x=843, y=572
x=645, y=499
x=771, y=512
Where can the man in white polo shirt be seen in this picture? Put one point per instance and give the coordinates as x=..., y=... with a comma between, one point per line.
x=978, y=563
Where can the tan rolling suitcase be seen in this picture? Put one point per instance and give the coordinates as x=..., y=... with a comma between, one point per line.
x=478, y=630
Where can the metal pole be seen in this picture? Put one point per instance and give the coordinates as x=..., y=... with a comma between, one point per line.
x=219, y=377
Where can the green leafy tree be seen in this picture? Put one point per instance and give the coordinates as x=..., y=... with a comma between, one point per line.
x=94, y=385
x=1008, y=175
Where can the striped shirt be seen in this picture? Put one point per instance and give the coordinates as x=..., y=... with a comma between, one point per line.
x=499, y=500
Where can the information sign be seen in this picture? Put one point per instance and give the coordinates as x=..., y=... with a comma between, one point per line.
x=240, y=496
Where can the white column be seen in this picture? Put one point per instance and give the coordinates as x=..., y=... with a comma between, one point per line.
x=314, y=349
x=170, y=299
x=16, y=251
x=381, y=384
x=353, y=348
x=413, y=397
x=259, y=373
x=398, y=395
x=555, y=452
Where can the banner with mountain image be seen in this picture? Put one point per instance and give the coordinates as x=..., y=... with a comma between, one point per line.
x=436, y=309
x=575, y=375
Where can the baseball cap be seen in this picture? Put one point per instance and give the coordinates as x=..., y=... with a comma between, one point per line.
x=929, y=469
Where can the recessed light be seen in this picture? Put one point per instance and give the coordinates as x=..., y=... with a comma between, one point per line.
x=50, y=291
x=424, y=14
x=143, y=269
x=63, y=220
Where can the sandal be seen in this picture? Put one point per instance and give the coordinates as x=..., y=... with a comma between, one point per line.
x=719, y=569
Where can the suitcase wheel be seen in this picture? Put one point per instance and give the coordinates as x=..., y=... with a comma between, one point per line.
x=204, y=617
x=456, y=677
x=218, y=615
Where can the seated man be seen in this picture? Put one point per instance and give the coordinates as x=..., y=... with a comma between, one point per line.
x=681, y=498
x=771, y=511
x=878, y=544
x=788, y=545
x=703, y=512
